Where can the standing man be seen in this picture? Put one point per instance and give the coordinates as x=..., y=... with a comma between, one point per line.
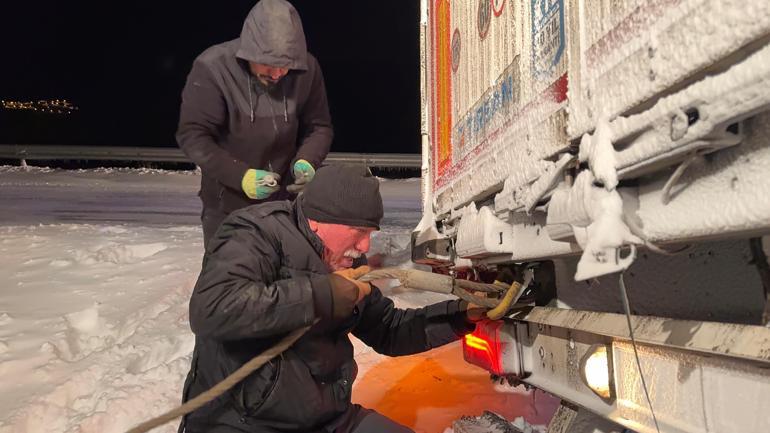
x=254, y=115
x=280, y=266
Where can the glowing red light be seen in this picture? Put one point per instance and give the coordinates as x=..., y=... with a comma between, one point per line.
x=482, y=348
x=477, y=343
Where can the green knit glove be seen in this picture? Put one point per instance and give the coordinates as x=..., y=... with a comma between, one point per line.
x=260, y=184
x=303, y=173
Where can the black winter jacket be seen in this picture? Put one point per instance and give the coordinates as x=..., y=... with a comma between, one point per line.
x=263, y=277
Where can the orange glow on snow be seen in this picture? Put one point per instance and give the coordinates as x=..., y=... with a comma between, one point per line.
x=428, y=391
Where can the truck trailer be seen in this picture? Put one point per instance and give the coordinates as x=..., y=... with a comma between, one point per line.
x=612, y=156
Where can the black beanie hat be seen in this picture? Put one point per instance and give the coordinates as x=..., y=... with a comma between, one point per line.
x=343, y=194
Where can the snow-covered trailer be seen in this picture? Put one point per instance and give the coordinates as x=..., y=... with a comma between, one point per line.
x=584, y=139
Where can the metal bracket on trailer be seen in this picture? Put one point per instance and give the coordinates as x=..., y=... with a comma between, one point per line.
x=434, y=252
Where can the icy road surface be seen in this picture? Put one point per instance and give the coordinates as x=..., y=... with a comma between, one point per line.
x=96, y=269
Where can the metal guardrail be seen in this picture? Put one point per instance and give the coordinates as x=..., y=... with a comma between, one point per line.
x=171, y=154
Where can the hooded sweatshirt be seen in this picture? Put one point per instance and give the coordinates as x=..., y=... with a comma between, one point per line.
x=229, y=122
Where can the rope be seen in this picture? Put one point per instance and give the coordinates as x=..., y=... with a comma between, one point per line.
x=223, y=386
x=448, y=281
x=470, y=298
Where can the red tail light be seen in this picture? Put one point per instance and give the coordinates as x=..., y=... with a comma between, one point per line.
x=493, y=347
x=474, y=342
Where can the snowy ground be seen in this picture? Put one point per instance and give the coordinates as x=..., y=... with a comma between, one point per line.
x=96, y=269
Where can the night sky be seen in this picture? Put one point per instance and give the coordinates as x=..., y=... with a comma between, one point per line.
x=124, y=65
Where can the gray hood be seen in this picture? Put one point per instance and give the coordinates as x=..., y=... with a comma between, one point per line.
x=272, y=35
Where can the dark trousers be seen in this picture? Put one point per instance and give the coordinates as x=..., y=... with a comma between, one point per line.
x=356, y=420
x=211, y=219
x=369, y=421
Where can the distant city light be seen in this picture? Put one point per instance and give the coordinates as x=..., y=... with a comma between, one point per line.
x=54, y=106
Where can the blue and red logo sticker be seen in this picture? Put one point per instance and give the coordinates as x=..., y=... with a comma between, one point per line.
x=548, y=39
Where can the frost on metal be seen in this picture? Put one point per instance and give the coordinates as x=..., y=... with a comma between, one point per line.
x=607, y=231
x=523, y=190
x=694, y=119
x=550, y=74
x=611, y=58
x=598, y=152
x=600, y=230
x=482, y=233
x=634, y=50
x=495, y=100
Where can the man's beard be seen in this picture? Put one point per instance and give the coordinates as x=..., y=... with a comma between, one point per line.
x=267, y=82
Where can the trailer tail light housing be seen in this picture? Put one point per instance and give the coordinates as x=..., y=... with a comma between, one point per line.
x=493, y=347
x=596, y=371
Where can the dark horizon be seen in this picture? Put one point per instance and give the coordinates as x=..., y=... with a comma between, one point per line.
x=124, y=68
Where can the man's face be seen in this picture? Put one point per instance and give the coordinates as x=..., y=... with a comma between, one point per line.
x=342, y=244
x=267, y=75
